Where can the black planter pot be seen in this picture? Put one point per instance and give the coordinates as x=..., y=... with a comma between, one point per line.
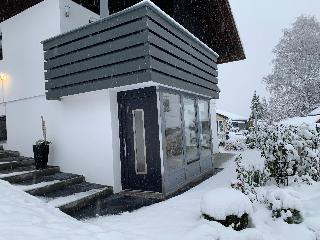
x=41, y=153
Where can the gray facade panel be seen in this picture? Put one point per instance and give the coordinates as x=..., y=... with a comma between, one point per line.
x=160, y=42
x=181, y=84
x=181, y=74
x=98, y=62
x=170, y=58
x=88, y=41
x=96, y=27
x=98, y=55
x=104, y=83
x=94, y=51
x=172, y=27
x=98, y=73
x=176, y=41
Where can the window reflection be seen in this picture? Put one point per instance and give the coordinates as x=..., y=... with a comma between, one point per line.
x=204, y=123
x=173, y=131
x=190, y=121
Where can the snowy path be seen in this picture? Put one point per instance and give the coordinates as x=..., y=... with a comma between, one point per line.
x=25, y=217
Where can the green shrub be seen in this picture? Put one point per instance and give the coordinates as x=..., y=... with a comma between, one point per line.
x=233, y=221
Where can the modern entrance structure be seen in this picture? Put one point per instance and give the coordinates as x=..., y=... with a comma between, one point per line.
x=130, y=98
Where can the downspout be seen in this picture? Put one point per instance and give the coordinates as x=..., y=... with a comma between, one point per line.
x=104, y=8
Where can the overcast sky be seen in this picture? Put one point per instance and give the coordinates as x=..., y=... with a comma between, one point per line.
x=260, y=25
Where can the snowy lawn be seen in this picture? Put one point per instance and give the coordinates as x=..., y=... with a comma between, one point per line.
x=25, y=217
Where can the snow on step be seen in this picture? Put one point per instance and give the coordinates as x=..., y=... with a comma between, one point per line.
x=60, y=201
x=35, y=186
x=7, y=162
x=14, y=174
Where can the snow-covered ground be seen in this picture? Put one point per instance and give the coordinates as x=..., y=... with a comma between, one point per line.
x=25, y=217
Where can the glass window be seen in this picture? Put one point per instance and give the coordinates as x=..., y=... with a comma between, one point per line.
x=191, y=137
x=204, y=124
x=139, y=141
x=173, y=130
x=220, y=126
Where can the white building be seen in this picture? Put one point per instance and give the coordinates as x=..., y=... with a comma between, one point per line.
x=83, y=125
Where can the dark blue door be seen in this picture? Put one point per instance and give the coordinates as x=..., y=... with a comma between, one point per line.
x=139, y=140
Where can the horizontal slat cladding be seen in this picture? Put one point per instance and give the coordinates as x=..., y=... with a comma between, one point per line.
x=165, y=68
x=113, y=70
x=134, y=46
x=98, y=38
x=168, y=80
x=181, y=34
x=91, y=29
x=98, y=50
x=175, y=41
x=97, y=62
x=103, y=83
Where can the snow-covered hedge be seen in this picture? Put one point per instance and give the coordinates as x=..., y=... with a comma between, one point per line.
x=249, y=176
x=228, y=207
x=284, y=204
x=296, y=148
x=235, y=142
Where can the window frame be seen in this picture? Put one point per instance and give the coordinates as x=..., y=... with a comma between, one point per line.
x=196, y=97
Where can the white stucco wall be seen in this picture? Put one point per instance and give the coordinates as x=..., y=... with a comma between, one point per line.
x=79, y=126
x=22, y=49
x=78, y=15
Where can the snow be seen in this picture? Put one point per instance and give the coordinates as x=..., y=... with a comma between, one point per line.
x=283, y=199
x=222, y=202
x=252, y=159
x=298, y=121
x=14, y=174
x=57, y=202
x=34, y=186
x=315, y=112
x=231, y=116
x=26, y=217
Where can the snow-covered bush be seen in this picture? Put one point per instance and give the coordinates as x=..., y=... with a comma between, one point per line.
x=290, y=151
x=227, y=206
x=235, y=142
x=249, y=177
x=284, y=204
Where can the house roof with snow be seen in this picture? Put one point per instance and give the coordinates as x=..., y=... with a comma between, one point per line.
x=232, y=116
x=210, y=20
x=298, y=121
x=315, y=112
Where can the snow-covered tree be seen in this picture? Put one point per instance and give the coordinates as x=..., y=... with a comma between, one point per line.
x=256, y=107
x=294, y=83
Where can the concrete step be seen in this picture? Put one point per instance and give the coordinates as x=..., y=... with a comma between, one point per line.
x=60, y=176
x=16, y=162
x=73, y=189
x=84, y=200
x=12, y=159
x=113, y=205
x=8, y=153
x=21, y=174
x=55, y=185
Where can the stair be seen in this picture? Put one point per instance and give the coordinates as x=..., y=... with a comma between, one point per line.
x=66, y=191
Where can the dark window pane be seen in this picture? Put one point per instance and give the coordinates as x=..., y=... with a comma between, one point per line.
x=173, y=130
x=3, y=128
x=204, y=123
x=1, y=52
x=191, y=137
